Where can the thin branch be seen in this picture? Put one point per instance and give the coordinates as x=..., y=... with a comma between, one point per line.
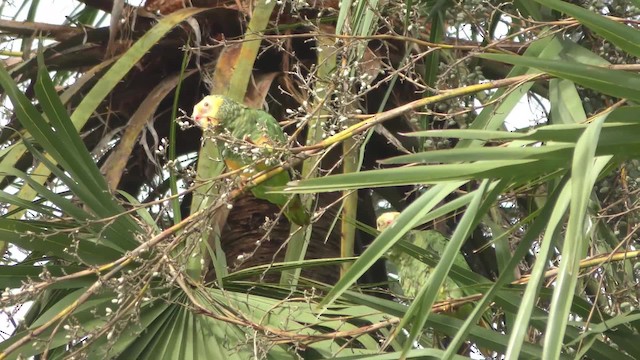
x=28, y=28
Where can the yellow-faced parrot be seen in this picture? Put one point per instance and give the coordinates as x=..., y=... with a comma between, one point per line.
x=250, y=137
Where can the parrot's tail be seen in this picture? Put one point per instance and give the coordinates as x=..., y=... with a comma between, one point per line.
x=296, y=212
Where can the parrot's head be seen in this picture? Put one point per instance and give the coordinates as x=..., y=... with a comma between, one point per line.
x=385, y=220
x=214, y=111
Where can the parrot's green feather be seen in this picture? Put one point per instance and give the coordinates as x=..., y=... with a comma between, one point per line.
x=252, y=137
x=414, y=274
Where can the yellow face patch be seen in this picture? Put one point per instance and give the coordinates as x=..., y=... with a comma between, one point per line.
x=205, y=113
x=216, y=104
x=385, y=220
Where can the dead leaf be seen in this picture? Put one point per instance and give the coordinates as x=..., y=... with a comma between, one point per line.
x=258, y=89
x=116, y=163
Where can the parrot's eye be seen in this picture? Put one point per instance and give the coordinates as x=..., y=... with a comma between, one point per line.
x=206, y=104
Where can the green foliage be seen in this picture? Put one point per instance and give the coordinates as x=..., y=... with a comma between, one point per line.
x=389, y=106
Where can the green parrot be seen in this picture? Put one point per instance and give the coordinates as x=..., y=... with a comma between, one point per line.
x=412, y=272
x=250, y=138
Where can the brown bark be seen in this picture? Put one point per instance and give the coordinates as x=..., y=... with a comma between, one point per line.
x=104, y=5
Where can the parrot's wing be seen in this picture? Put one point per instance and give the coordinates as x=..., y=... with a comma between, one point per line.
x=268, y=133
x=414, y=273
x=261, y=128
x=272, y=128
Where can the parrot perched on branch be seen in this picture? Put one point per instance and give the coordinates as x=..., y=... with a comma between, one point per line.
x=253, y=139
x=412, y=272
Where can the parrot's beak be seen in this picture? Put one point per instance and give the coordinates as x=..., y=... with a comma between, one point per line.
x=200, y=120
x=206, y=121
x=196, y=116
x=203, y=120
